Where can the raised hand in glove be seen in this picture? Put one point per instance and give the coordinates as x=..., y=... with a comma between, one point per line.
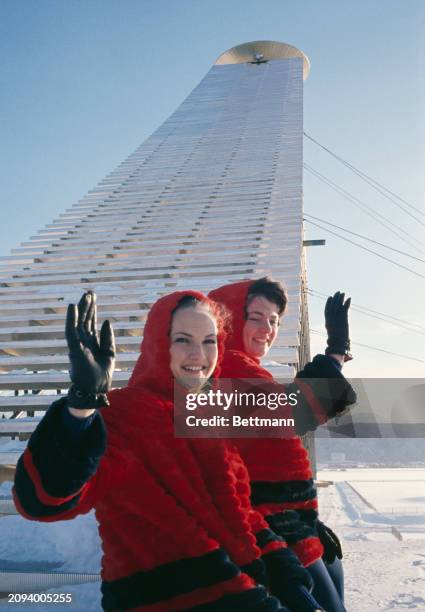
x=290, y=581
x=336, y=321
x=330, y=542
x=92, y=357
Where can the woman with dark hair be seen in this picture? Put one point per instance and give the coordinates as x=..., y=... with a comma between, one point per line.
x=174, y=515
x=281, y=476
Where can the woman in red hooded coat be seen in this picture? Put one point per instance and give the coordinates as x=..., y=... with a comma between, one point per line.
x=280, y=471
x=174, y=515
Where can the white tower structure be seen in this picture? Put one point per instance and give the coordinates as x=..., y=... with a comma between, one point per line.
x=214, y=195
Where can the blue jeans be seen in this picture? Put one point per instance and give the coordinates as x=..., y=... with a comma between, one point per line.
x=328, y=585
x=336, y=572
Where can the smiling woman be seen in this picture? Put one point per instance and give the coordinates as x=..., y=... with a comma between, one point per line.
x=261, y=327
x=193, y=349
x=175, y=518
x=281, y=475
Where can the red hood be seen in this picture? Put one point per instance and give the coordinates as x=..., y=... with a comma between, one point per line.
x=234, y=298
x=152, y=370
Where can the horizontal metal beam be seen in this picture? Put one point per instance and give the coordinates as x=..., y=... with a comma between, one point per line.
x=187, y=279
x=50, y=380
x=58, y=361
x=123, y=329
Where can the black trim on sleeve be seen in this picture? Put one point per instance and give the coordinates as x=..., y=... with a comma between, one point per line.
x=291, y=527
x=63, y=464
x=168, y=581
x=330, y=387
x=265, y=537
x=256, y=569
x=28, y=499
x=283, y=491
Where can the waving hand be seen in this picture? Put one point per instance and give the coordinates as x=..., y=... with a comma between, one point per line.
x=336, y=320
x=92, y=357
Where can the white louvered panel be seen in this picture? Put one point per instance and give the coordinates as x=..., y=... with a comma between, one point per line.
x=176, y=268
x=138, y=240
x=16, y=426
x=188, y=278
x=36, y=343
x=180, y=252
x=34, y=315
x=47, y=320
x=213, y=196
x=121, y=328
x=8, y=458
x=43, y=363
x=49, y=380
x=137, y=243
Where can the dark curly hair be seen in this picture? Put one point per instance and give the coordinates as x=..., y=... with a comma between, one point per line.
x=272, y=290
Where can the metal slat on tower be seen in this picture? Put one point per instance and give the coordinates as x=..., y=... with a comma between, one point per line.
x=213, y=196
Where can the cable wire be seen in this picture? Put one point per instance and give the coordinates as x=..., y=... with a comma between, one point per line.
x=379, y=217
x=375, y=348
x=387, y=193
x=360, y=246
x=375, y=314
x=386, y=246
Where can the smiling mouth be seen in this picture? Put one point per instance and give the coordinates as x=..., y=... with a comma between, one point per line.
x=194, y=369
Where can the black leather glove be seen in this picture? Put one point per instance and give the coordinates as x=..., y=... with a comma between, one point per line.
x=92, y=358
x=289, y=580
x=330, y=542
x=336, y=321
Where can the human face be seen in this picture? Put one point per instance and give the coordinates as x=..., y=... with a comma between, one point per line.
x=193, y=348
x=261, y=326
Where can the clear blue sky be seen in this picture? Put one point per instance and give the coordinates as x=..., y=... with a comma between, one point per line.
x=85, y=82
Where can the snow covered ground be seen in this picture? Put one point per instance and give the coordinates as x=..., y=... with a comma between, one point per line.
x=396, y=494
x=370, y=509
